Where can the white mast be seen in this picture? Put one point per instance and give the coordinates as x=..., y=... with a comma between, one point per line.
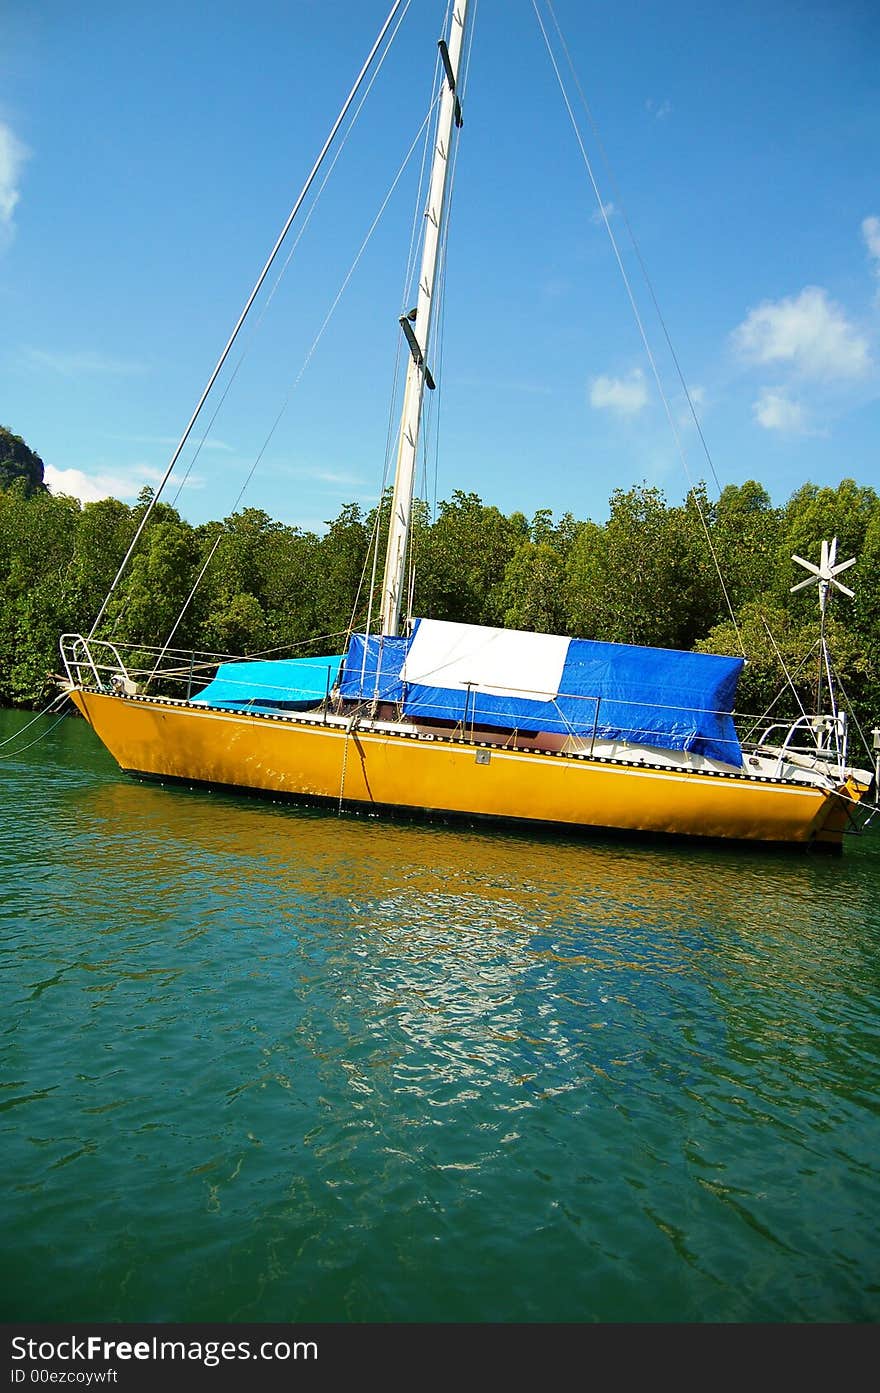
x=418, y=331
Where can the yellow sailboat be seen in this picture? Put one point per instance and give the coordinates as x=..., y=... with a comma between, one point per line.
x=430, y=717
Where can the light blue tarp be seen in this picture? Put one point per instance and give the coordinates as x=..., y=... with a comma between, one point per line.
x=285, y=685
x=647, y=696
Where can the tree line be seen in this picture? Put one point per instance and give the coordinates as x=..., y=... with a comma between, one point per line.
x=711, y=575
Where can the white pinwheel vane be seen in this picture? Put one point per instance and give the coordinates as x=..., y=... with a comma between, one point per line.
x=825, y=574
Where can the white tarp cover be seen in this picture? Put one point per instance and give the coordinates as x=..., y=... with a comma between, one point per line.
x=501, y=662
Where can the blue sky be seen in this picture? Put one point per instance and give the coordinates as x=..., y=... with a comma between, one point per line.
x=149, y=156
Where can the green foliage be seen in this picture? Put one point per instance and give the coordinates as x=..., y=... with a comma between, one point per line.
x=777, y=642
x=19, y=464
x=37, y=532
x=148, y=603
x=462, y=559
x=846, y=513
x=647, y=576
x=341, y=559
x=532, y=592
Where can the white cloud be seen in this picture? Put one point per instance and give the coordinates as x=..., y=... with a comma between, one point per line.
x=12, y=157
x=625, y=395
x=659, y=110
x=88, y=489
x=125, y=483
x=775, y=411
x=871, y=234
x=808, y=331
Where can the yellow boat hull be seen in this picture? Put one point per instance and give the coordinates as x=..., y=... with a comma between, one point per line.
x=302, y=758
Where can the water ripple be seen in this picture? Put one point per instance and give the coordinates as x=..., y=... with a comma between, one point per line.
x=262, y=1063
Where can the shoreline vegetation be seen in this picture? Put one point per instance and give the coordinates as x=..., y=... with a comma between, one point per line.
x=646, y=576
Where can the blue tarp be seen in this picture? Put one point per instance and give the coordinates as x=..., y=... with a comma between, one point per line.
x=654, y=696
x=646, y=696
x=288, y=684
x=372, y=668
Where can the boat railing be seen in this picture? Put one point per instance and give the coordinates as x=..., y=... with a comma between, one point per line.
x=99, y=664
x=821, y=739
x=809, y=740
x=124, y=669
x=584, y=721
x=88, y=664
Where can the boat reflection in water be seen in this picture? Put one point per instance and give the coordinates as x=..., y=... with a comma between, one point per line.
x=488, y=954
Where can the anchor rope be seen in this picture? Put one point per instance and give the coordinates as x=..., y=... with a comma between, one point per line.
x=42, y=736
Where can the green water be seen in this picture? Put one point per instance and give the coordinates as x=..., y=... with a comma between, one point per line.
x=269, y=1064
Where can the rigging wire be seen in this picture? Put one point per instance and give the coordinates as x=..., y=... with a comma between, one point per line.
x=344, y=285
x=419, y=212
x=373, y=547
x=244, y=313
x=299, y=236
x=412, y=539
x=372, y=555
x=299, y=643
x=339, y=294
x=634, y=306
x=306, y=361
x=56, y=702
x=635, y=245
x=13, y=754
x=264, y=310
x=851, y=709
x=826, y=660
x=757, y=721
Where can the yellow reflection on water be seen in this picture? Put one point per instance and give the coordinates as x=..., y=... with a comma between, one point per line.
x=427, y=890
